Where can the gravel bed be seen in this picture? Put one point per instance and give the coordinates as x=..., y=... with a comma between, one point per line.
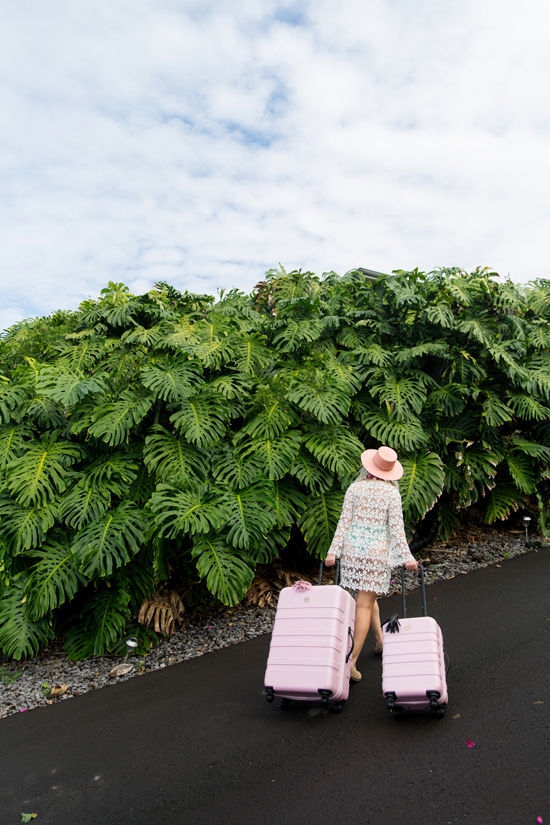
x=50, y=677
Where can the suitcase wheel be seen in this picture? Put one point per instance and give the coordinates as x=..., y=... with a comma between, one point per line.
x=325, y=695
x=390, y=701
x=269, y=694
x=433, y=696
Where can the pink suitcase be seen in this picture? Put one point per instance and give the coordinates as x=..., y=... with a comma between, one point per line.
x=311, y=643
x=413, y=661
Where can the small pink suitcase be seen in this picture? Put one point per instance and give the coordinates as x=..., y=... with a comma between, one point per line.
x=413, y=661
x=311, y=643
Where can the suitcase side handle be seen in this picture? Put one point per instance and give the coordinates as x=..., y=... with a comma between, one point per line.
x=352, y=642
x=336, y=571
x=422, y=588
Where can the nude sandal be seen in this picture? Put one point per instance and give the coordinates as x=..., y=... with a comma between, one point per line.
x=354, y=674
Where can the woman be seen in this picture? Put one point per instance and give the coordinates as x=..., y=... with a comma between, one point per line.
x=370, y=540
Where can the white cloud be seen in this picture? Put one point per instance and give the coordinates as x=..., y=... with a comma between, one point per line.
x=201, y=143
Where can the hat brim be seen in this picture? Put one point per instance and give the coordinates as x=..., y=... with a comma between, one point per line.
x=367, y=460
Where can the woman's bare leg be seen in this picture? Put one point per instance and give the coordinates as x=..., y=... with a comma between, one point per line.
x=377, y=627
x=365, y=610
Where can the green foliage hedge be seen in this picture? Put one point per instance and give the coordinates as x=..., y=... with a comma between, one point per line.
x=165, y=437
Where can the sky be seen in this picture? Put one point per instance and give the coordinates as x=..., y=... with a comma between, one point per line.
x=204, y=142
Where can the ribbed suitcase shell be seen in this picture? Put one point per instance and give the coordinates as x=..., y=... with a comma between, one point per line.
x=311, y=644
x=413, y=660
x=413, y=665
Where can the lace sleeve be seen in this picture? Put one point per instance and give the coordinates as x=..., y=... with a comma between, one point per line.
x=399, y=546
x=343, y=525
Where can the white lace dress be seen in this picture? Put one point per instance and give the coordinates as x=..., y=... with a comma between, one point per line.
x=370, y=536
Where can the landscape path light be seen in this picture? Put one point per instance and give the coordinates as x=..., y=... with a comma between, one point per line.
x=131, y=645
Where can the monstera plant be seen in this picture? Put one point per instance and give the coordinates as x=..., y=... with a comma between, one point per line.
x=160, y=440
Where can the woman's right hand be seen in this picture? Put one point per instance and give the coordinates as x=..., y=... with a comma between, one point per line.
x=411, y=565
x=330, y=560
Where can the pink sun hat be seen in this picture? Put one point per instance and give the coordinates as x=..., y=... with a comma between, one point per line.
x=382, y=463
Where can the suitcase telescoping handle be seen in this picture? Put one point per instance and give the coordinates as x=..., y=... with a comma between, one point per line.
x=336, y=580
x=424, y=606
x=422, y=588
x=336, y=572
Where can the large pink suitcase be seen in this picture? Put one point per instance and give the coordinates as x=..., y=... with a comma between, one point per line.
x=414, y=662
x=311, y=643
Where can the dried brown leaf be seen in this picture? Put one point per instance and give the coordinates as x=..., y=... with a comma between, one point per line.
x=165, y=611
x=59, y=690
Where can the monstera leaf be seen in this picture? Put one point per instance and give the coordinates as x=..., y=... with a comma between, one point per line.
x=275, y=456
x=502, y=502
x=82, y=505
x=335, y=448
x=319, y=521
x=20, y=636
x=250, y=515
x=202, y=419
x=182, y=512
x=111, y=541
x=13, y=439
x=67, y=386
x=23, y=528
x=37, y=476
x=233, y=468
x=171, y=458
x=114, y=420
x=327, y=401
x=407, y=435
x=101, y=625
x=172, y=382
x=421, y=485
x=54, y=579
x=227, y=575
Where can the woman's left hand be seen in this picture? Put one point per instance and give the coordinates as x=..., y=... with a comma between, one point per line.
x=411, y=565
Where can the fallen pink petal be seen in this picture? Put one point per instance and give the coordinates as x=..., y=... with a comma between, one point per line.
x=540, y=820
x=470, y=743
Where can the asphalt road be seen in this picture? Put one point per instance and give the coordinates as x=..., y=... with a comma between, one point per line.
x=197, y=743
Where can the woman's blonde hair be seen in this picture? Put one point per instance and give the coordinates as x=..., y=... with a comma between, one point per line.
x=364, y=475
